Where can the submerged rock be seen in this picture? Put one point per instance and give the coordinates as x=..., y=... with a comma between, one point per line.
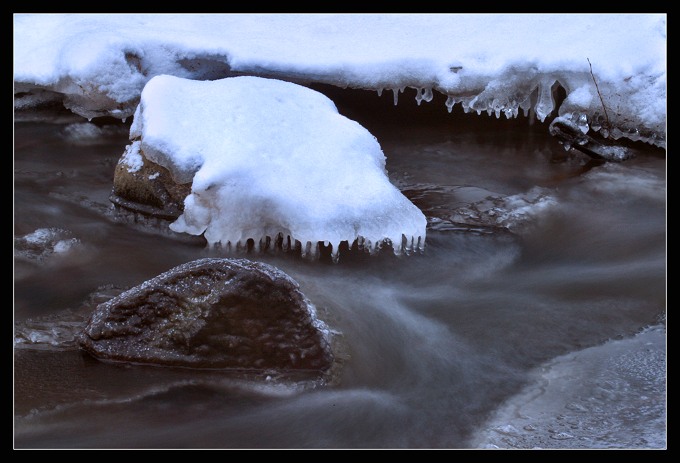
x=212, y=313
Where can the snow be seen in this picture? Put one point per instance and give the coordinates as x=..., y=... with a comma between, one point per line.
x=98, y=64
x=268, y=157
x=131, y=157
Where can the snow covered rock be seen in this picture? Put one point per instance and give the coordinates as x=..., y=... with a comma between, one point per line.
x=267, y=160
x=212, y=313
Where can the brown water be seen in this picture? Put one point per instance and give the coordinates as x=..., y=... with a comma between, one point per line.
x=432, y=345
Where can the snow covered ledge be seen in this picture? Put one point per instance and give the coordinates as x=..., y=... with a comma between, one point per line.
x=97, y=64
x=270, y=160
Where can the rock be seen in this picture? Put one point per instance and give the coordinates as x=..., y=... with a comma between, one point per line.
x=44, y=243
x=142, y=186
x=571, y=136
x=212, y=313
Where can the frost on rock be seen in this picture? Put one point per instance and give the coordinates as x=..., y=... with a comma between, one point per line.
x=212, y=313
x=271, y=161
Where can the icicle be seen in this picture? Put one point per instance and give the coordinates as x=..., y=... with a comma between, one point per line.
x=404, y=248
x=380, y=90
x=427, y=95
x=525, y=110
x=615, y=133
x=419, y=96
x=582, y=123
x=396, y=96
x=567, y=146
x=545, y=103
x=449, y=103
x=497, y=112
x=315, y=251
x=335, y=253
x=307, y=250
x=124, y=119
x=89, y=119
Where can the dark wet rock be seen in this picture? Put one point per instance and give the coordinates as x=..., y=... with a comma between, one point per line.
x=142, y=186
x=212, y=313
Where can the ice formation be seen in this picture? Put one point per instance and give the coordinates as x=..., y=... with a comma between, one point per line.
x=607, y=396
x=271, y=160
x=44, y=243
x=494, y=63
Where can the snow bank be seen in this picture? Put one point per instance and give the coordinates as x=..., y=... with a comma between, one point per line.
x=499, y=63
x=269, y=158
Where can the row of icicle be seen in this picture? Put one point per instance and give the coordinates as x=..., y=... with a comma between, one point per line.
x=312, y=251
x=543, y=106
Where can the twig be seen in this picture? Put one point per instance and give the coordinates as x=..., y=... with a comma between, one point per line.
x=606, y=116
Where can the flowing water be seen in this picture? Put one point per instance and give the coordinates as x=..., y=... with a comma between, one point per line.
x=535, y=317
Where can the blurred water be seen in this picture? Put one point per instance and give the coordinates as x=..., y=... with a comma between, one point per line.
x=433, y=346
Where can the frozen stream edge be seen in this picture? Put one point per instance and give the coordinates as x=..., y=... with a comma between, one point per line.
x=608, y=396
